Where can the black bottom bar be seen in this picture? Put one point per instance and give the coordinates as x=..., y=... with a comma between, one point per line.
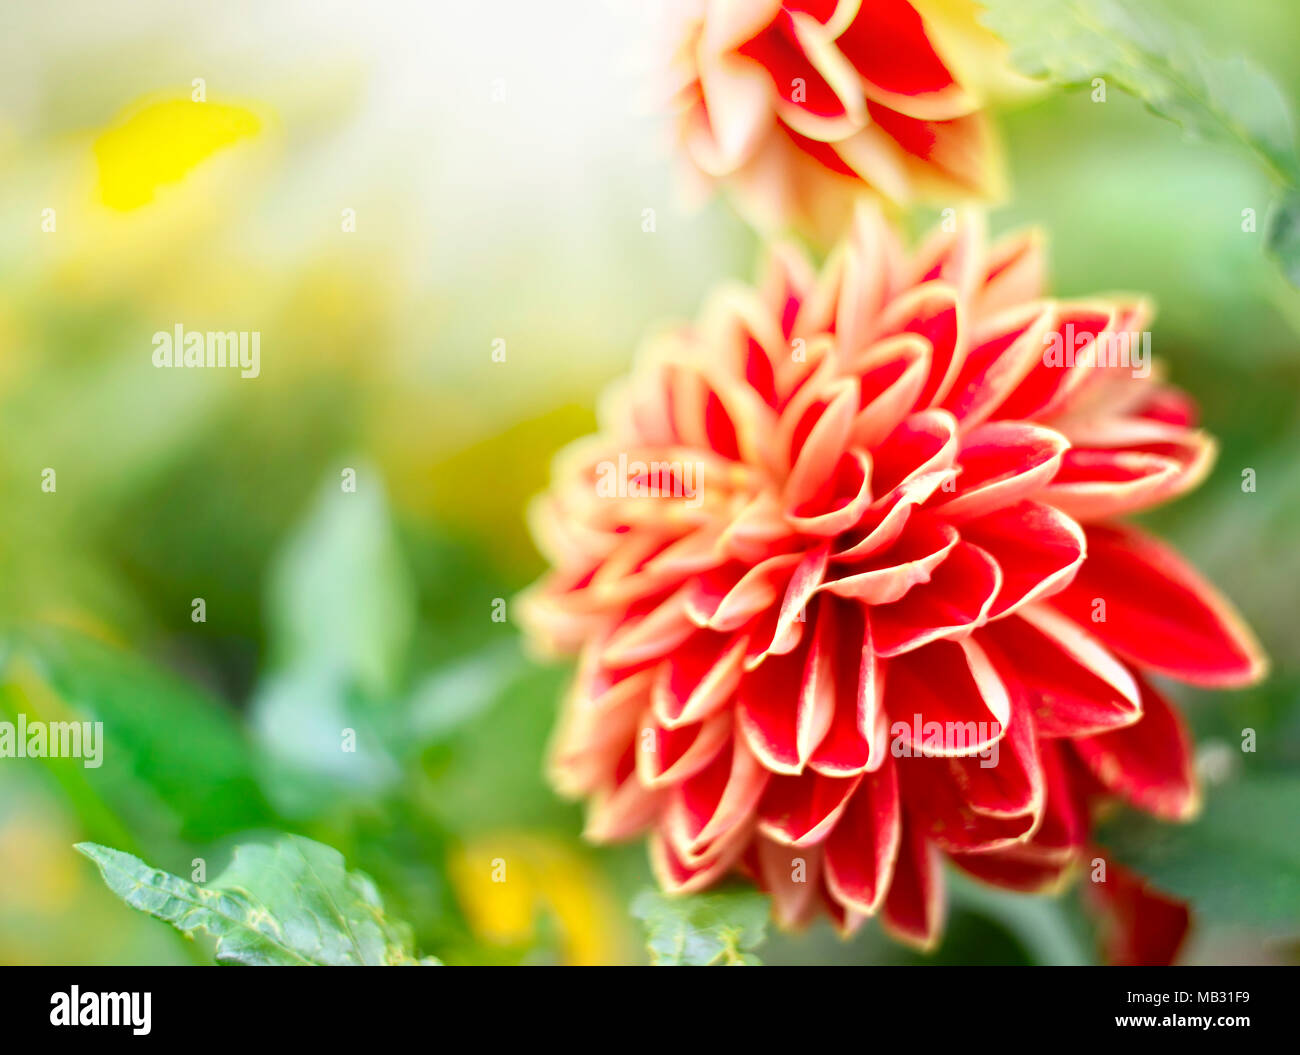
x=1039, y=1006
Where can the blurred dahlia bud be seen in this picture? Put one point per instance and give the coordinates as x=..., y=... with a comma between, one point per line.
x=799, y=106
x=844, y=571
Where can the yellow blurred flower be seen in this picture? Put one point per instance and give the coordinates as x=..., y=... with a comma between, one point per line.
x=506, y=882
x=162, y=142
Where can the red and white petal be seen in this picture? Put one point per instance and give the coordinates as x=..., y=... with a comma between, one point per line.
x=677, y=875
x=888, y=46
x=802, y=810
x=1014, y=275
x=767, y=712
x=914, y=907
x=880, y=527
x=1012, y=869
x=666, y=757
x=931, y=311
x=891, y=375
x=1071, y=683
x=1038, y=549
x=727, y=598
x=1167, y=405
x=955, y=601
x=738, y=101
x=1010, y=783
x=624, y=808
x=698, y=678
x=840, y=503
x=712, y=803
x=1142, y=927
x=820, y=437
x=864, y=273
x=945, y=699
x=862, y=849
x=792, y=875
x=1001, y=463
x=816, y=91
x=955, y=256
x=1141, y=599
x=856, y=738
x=755, y=531
x=1003, y=351
x=817, y=694
x=943, y=156
x=1065, y=825
x=936, y=806
x=1148, y=763
x=1066, y=362
x=887, y=576
x=594, y=734
x=1126, y=466
x=922, y=445
x=804, y=583
x=650, y=634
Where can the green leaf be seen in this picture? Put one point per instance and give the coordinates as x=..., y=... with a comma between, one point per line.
x=1239, y=862
x=342, y=612
x=1164, y=65
x=452, y=696
x=1284, y=236
x=340, y=593
x=292, y=903
x=719, y=928
x=1157, y=60
x=174, y=760
x=1038, y=921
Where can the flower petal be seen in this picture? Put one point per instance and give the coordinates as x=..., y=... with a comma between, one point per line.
x=665, y=757
x=713, y=802
x=862, y=848
x=1003, y=352
x=1126, y=466
x=1142, y=926
x=1069, y=680
x=931, y=310
x=891, y=375
x=804, y=582
x=955, y=601
x=801, y=810
x=945, y=699
x=914, y=906
x=880, y=527
x=1001, y=463
x=1140, y=598
x=856, y=739
x=792, y=875
x=698, y=678
x=923, y=444
x=888, y=46
x=767, y=714
x=938, y=809
x=1038, y=549
x=886, y=577
x=728, y=597
x=625, y=808
x=1148, y=763
x=679, y=876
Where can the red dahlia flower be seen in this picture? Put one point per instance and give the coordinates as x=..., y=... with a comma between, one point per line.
x=845, y=574
x=799, y=104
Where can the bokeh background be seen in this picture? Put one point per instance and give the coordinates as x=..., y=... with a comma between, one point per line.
x=498, y=157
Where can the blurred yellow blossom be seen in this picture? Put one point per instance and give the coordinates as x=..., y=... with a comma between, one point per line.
x=506, y=882
x=163, y=141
